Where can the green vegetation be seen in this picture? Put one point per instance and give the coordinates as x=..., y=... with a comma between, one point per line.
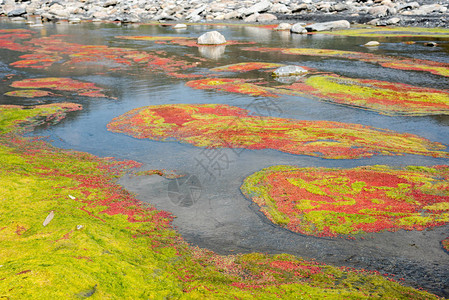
x=104, y=244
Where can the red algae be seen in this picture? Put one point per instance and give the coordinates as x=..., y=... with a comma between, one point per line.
x=246, y=67
x=30, y=93
x=216, y=126
x=445, y=244
x=232, y=85
x=36, y=61
x=50, y=50
x=87, y=89
x=329, y=202
x=400, y=63
x=150, y=38
x=179, y=40
x=384, y=97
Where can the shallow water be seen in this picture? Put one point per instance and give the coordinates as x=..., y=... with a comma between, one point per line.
x=218, y=216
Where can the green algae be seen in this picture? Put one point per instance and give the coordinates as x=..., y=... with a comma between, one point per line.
x=396, y=62
x=103, y=243
x=381, y=96
x=385, y=32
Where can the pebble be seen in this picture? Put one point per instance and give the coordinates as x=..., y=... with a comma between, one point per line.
x=180, y=26
x=372, y=44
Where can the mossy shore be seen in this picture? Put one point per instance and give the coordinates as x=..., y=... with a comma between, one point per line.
x=103, y=243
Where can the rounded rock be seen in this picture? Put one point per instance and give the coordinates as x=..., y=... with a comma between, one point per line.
x=180, y=26
x=283, y=26
x=289, y=71
x=211, y=38
x=298, y=28
x=372, y=44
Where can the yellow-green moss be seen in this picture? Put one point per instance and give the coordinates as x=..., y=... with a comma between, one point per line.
x=104, y=244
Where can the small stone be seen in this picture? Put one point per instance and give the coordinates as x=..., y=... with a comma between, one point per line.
x=74, y=20
x=333, y=25
x=79, y=227
x=300, y=7
x=252, y=18
x=283, y=26
x=289, y=71
x=339, y=7
x=298, y=28
x=279, y=8
x=372, y=44
x=393, y=21
x=378, y=11
x=211, y=38
x=266, y=18
x=49, y=218
x=373, y=22
x=180, y=26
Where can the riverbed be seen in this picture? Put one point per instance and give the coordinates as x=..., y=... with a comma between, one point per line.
x=212, y=212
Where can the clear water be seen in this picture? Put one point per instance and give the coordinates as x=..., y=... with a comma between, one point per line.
x=219, y=217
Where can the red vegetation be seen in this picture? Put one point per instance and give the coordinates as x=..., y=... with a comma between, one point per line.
x=327, y=202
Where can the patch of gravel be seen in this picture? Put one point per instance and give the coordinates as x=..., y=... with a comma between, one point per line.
x=421, y=13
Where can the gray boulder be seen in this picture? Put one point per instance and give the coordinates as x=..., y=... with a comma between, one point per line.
x=259, y=7
x=211, y=38
x=393, y=21
x=180, y=26
x=195, y=13
x=20, y=11
x=266, y=18
x=252, y=18
x=283, y=26
x=334, y=25
x=379, y=11
x=339, y=7
x=298, y=28
x=279, y=8
x=297, y=8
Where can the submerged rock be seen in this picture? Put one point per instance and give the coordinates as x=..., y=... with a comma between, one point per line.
x=289, y=71
x=211, y=38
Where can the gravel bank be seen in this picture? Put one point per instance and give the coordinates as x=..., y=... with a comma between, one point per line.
x=422, y=13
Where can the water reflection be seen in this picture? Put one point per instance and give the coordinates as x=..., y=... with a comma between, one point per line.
x=258, y=34
x=212, y=52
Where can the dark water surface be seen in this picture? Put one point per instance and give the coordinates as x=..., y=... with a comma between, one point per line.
x=218, y=216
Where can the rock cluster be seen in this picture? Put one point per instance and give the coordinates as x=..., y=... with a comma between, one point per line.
x=377, y=12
